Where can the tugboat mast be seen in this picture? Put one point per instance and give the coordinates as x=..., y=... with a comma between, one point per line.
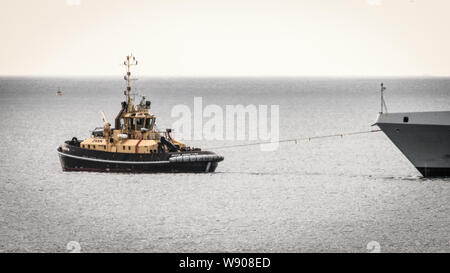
x=130, y=61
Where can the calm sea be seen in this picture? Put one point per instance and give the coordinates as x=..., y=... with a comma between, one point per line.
x=330, y=195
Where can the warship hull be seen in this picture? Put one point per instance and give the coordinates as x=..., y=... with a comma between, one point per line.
x=423, y=137
x=74, y=158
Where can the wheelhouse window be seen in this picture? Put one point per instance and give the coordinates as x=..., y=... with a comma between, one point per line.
x=140, y=123
x=148, y=123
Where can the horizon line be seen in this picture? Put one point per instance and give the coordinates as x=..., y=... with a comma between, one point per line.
x=228, y=76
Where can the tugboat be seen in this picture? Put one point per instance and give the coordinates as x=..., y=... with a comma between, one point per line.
x=134, y=145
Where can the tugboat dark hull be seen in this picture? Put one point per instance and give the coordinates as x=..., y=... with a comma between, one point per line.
x=74, y=158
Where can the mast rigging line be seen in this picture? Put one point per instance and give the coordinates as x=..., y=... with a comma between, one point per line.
x=297, y=139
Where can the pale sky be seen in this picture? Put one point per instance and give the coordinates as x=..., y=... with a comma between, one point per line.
x=226, y=38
